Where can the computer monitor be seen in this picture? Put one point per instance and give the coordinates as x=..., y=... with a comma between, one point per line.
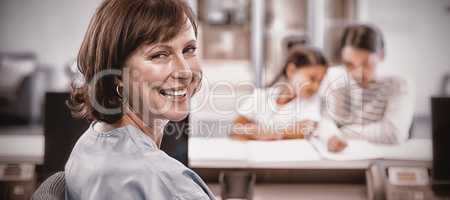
x=61, y=132
x=440, y=114
x=22, y=88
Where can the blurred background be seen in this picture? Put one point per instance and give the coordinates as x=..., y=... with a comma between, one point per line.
x=242, y=42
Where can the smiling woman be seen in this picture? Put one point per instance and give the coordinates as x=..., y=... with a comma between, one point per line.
x=135, y=35
x=140, y=69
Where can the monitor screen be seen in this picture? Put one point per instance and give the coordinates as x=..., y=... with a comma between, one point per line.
x=440, y=109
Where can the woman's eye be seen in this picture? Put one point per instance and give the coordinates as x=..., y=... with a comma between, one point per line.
x=190, y=50
x=160, y=55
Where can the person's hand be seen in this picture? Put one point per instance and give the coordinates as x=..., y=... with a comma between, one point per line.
x=252, y=131
x=306, y=127
x=336, y=144
x=300, y=130
x=245, y=129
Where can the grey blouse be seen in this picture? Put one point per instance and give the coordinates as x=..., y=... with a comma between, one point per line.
x=124, y=163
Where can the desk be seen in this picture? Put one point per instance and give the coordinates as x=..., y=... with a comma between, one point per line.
x=22, y=148
x=303, y=191
x=297, y=169
x=297, y=154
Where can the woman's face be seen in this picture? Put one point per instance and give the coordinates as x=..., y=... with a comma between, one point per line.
x=306, y=80
x=164, y=76
x=360, y=64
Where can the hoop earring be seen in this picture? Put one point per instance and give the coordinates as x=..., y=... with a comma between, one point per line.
x=124, y=100
x=118, y=92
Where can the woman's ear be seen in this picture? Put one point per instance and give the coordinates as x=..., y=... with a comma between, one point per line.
x=290, y=70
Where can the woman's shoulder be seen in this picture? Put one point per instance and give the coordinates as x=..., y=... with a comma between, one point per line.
x=335, y=78
x=395, y=84
x=151, y=165
x=336, y=72
x=181, y=181
x=150, y=170
x=117, y=142
x=101, y=153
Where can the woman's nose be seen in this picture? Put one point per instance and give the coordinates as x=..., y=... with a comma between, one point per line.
x=182, y=70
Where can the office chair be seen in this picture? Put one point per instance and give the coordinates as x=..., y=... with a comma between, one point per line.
x=175, y=140
x=61, y=132
x=53, y=188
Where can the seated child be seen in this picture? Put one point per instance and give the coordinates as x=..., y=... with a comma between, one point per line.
x=290, y=106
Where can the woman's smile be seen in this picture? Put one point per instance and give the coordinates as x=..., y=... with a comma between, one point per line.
x=179, y=94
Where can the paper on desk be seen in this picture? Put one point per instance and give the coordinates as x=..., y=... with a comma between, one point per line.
x=222, y=152
x=413, y=149
x=281, y=151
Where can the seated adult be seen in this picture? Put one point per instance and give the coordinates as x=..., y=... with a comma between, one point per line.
x=140, y=69
x=359, y=102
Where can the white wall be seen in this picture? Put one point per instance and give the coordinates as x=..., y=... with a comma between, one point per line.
x=53, y=29
x=418, y=41
x=417, y=35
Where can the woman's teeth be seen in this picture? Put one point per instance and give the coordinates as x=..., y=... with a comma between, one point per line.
x=174, y=92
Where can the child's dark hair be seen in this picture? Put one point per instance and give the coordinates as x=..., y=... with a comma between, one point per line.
x=301, y=56
x=363, y=36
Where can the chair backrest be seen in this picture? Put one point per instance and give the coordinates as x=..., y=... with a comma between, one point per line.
x=53, y=188
x=175, y=140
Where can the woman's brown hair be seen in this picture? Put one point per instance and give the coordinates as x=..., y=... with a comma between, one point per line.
x=301, y=56
x=116, y=30
x=363, y=36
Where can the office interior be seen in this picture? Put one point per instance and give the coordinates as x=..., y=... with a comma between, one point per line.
x=243, y=43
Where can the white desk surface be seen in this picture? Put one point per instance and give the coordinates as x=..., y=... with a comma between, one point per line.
x=322, y=164
x=227, y=153
x=296, y=154
x=19, y=148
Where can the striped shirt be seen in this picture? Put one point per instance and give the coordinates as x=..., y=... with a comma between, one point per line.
x=380, y=113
